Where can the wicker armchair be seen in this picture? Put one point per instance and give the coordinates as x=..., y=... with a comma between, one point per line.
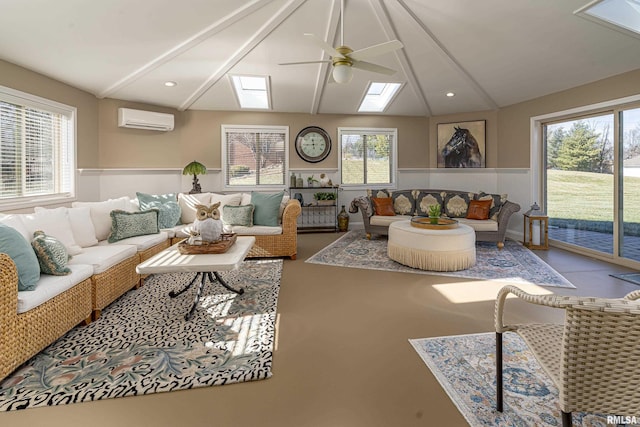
x=593, y=359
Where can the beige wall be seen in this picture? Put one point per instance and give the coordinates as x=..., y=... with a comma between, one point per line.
x=19, y=78
x=197, y=136
x=101, y=144
x=514, y=124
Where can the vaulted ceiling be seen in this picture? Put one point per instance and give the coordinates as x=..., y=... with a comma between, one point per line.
x=490, y=53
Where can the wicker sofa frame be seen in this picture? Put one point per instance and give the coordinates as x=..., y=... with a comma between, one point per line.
x=363, y=204
x=276, y=245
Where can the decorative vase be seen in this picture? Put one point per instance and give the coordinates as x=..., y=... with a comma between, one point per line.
x=292, y=181
x=343, y=220
x=299, y=181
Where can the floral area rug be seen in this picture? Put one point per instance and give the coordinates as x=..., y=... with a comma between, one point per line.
x=142, y=344
x=514, y=263
x=465, y=367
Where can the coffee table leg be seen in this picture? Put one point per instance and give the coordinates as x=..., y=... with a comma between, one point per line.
x=174, y=294
x=223, y=283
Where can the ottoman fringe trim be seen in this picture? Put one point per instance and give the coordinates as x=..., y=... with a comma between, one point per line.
x=433, y=261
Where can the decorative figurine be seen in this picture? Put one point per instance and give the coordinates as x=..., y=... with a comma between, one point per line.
x=208, y=224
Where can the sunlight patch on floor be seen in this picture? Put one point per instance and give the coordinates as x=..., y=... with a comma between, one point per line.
x=482, y=290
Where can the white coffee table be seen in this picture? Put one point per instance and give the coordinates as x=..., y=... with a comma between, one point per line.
x=205, y=266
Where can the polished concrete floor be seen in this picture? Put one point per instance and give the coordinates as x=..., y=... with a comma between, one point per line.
x=342, y=355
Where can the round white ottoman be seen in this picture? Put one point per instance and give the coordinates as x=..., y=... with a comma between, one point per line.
x=428, y=249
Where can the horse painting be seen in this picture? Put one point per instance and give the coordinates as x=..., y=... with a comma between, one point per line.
x=462, y=150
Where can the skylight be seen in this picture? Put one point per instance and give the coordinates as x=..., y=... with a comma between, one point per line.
x=620, y=15
x=252, y=92
x=378, y=97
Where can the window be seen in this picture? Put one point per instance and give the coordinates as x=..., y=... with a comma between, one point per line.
x=254, y=156
x=367, y=156
x=252, y=92
x=378, y=97
x=37, y=149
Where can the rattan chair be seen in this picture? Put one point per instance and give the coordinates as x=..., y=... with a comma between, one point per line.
x=593, y=358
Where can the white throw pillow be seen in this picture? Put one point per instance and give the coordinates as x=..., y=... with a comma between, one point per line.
x=54, y=223
x=188, y=204
x=81, y=225
x=100, y=213
x=16, y=223
x=225, y=199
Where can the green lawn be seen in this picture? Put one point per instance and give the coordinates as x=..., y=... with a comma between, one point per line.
x=589, y=196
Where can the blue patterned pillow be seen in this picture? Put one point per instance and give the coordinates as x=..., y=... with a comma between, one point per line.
x=168, y=208
x=456, y=205
x=52, y=255
x=238, y=215
x=130, y=224
x=424, y=200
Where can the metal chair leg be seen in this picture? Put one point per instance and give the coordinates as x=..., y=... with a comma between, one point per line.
x=566, y=419
x=499, y=404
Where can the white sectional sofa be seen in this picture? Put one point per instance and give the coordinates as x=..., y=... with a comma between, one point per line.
x=102, y=270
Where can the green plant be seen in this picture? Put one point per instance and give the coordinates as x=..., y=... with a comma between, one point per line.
x=434, y=211
x=324, y=195
x=311, y=179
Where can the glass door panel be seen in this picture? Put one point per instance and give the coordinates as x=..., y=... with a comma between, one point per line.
x=629, y=245
x=579, y=181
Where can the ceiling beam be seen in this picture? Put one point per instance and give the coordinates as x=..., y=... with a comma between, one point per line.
x=244, y=50
x=325, y=69
x=383, y=17
x=189, y=43
x=430, y=37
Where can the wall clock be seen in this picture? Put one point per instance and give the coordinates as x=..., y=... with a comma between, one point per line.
x=313, y=144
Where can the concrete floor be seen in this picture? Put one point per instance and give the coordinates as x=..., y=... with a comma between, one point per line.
x=342, y=355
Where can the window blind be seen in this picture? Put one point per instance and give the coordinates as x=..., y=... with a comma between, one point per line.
x=367, y=156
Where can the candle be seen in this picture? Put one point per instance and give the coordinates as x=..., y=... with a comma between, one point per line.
x=535, y=233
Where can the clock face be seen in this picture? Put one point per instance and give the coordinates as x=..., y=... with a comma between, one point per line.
x=313, y=144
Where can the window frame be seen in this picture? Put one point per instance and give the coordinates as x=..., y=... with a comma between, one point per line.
x=393, y=152
x=255, y=128
x=28, y=100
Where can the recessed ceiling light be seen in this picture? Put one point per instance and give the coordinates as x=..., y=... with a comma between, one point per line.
x=450, y=94
x=170, y=84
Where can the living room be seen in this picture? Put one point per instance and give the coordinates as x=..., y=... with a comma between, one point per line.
x=341, y=355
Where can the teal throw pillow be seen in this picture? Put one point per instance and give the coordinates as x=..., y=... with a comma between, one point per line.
x=168, y=208
x=20, y=251
x=130, y=224
x=52, y=255
x=266, y=208
x=238, y=215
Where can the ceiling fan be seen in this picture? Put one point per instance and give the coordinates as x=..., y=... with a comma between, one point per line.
x=343, y=58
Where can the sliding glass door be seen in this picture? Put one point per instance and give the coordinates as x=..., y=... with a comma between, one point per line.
x=592, y=182
x=629, y=245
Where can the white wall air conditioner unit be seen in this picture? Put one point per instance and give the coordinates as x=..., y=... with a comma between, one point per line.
x=149, y=120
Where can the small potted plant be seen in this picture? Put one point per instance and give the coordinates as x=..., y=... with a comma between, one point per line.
x=312, y=181
x=326, y=198
x=434, y=214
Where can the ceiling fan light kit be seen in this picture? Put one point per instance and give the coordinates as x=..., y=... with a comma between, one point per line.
x=342, y=73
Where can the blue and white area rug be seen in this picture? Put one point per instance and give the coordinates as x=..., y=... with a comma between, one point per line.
x=514, y=263
x=141, y=344
x=465, y=367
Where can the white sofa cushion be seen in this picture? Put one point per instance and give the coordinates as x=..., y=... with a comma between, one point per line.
x=386, y=220
x=50, y=286
x=225, y=199
x=81, y=224
x=140, y=242
x=103, y=257
x=100, y=213
x=256, y=230
x=53, y=222
x=480, y=224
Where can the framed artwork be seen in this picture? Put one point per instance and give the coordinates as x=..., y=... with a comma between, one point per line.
x=462, y=144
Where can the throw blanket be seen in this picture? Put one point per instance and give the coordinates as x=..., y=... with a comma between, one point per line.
x=361, y=202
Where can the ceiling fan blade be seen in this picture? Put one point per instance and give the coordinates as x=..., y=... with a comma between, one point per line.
x=323, y=45
x=375, y=50
x=368, y=66
x=306, y=62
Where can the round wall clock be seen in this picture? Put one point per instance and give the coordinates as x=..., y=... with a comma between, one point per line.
x=313, y=144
